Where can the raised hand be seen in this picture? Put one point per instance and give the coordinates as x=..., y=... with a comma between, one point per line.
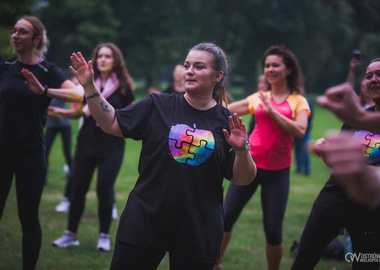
x=238, y=136
x=266, y=105
x=32, y=83
x=82, y=69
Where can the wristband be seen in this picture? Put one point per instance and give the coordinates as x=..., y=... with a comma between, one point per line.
x=242, y=151
x=46, y=90
x=96, y=94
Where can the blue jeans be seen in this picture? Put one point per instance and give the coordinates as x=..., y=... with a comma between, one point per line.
x=302, y=154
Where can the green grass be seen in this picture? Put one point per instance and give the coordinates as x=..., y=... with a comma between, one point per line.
x=246, y=250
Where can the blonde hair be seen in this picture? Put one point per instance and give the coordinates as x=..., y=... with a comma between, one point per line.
x=38, y=30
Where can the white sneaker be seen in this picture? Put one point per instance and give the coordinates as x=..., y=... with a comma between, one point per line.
x=66, y=168
x=114, y=213
x=67, y=239
x=104, y=242
x=63, y=207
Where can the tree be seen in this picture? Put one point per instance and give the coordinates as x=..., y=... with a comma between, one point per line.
x=77, y=25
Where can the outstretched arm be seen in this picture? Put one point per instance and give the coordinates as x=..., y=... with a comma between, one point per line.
x=240, y=107
x=68, y=91
x=100, y=109
x=354, y=65
x=72, y=113
x=244, y=170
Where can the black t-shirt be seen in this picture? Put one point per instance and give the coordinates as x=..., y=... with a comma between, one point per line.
x=176, y=203
x=170, y=89
x=22, y=112
x=92, y=140
x=334, y=200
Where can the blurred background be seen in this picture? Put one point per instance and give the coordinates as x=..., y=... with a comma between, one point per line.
x=154, y=35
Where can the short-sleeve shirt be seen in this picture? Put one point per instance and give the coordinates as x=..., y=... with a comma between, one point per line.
x=271, y=145
x=334, y=200
x=92, y=140
x=176, y=203
x=22, y=112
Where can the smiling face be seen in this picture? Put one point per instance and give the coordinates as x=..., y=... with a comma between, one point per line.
x=23, y=38
x=275, y=70
x=104, y=60
x=372, y=81
x=198, y=74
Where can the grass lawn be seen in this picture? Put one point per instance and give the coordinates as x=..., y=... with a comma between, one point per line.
x=246, y=250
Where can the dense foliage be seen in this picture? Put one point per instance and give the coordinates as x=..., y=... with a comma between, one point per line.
x=155, y=35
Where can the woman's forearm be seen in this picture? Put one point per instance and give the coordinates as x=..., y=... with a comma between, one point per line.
x=102, y=111
x=244, y=170
x=296, y=127
x=68, y=92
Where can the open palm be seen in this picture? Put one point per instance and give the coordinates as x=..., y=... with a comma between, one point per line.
x=238, y=136
x=82, y=69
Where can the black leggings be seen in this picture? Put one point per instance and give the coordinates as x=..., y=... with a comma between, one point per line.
x=50, y=135
x=274, y=197
x=29, y=169
x=128, y=256
x=321, y=228
x=82, y=171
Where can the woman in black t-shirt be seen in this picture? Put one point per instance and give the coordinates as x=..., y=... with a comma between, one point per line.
x=176, y=204
x=334, y=209
x=96, y=149
x=27, y=84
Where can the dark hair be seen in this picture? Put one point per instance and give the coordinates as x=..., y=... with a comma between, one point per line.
x=38, y=30
x=119, y=66
x=295, y=80
x=219, y=64
x=375, y=60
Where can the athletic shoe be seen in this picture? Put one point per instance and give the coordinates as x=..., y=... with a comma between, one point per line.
x=66, y=168
x=67, y=239
x=114, y=213
x=104, y=243
x=63, y=207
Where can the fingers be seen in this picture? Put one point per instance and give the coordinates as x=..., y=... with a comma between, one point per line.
x=74, y=59
x=78, y=60
x=73, y=70
x=226, y=135
x=27, y=74
x=236, y=122
x=343, y=153
x=89, y=65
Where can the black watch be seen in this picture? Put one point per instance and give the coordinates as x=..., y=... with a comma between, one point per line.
x=46, y=90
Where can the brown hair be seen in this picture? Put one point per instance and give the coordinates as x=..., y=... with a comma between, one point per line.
x=295, y=80
x=38, y=30
x=219, y=64
x=119, y=66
